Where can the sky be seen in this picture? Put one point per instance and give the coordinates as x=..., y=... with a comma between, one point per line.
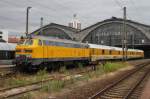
x=13, y=12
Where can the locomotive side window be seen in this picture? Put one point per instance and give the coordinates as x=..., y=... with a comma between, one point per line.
x=52, y=43
x=64, y=44
x=45, y=42
x=40, y=43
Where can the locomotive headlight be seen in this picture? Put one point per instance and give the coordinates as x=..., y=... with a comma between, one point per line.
x=23, y=56
x=28, y=51
x=22, y=50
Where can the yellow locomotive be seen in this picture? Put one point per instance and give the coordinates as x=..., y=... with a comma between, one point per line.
x=42, y=51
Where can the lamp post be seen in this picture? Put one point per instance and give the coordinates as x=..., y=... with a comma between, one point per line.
x=125, y=31
x=41, y=30
x=27, y=20
x=124, y=36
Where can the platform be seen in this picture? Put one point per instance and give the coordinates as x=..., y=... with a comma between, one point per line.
x=6, y=62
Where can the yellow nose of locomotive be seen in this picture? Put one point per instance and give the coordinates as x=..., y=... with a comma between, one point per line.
x=28, y=52
x=24, y=52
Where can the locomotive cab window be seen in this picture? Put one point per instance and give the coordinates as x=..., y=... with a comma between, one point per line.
x=28, y=42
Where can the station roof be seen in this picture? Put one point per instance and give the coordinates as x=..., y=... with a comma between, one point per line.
x=7, y=46
x=144, y=29
x=67, y=30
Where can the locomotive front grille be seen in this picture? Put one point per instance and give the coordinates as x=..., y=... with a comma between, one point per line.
x=23, y=57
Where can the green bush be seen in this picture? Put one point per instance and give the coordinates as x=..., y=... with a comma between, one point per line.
x=18, y=81
x=26, y=96
x=54, y=85
x=80, y=65
x=110, y=67
x=42, y=74
x=63, y=70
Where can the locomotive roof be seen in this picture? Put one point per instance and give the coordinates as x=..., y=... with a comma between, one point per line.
x=111, y=48
x=7, y=46
x=59, y=40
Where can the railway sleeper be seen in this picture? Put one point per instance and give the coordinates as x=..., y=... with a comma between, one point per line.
x=120, y=86
x=110, y=97
x=134, y=97
x=116, y=93
x=118, y=89
x=136, y=93
x=112, y=94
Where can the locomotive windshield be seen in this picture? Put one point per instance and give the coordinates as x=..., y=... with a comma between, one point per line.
x=28, y=42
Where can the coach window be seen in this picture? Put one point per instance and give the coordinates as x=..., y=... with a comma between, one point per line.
x=110, y=52
x=119, y=52
x=103, y=52
x=40, y=43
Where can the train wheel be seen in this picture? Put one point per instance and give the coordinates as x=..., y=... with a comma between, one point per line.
x=18, y=68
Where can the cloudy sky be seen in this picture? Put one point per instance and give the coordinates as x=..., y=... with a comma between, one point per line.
x=13, y=12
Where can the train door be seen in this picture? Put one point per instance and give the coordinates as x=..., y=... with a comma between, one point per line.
x=45, y=51
x=40, y=43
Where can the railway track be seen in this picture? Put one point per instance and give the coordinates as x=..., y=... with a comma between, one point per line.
x=7, y=75
x=17, y=90
x=126, y=87
x=6, y=72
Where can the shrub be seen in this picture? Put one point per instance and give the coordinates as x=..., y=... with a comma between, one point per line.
x=27, y=96
x=80, y=65
x=42, y=74
x=64, y=70
x=110, y=67
x=54, y=85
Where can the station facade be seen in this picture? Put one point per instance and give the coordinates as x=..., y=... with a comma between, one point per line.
x=107, y=32
x=3, y=36
x=56, y=30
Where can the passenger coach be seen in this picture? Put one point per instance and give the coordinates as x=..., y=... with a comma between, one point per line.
x=102, y=52
x=7, y=53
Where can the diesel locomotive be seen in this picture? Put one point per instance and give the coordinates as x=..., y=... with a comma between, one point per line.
x=45, y=51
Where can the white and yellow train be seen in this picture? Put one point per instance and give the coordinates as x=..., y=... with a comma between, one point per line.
x=44, y=50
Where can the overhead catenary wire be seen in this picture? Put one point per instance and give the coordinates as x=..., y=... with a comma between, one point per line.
x=18, y=5
x=10, y=3
x=118, y=3
x=133, y=4
x=51, y=8
x=49, y=17
x=10, y=19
